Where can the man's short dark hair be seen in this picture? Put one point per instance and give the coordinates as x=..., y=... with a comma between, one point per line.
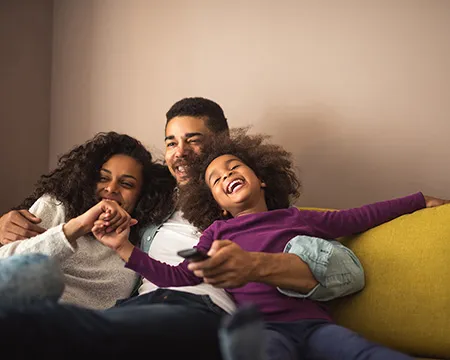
x=199, y=107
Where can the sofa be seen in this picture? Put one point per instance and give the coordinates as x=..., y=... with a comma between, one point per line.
x=405, y=304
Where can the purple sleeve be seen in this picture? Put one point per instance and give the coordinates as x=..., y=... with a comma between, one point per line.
x=159, y=273
x=164, y=275
x=334, y=224
x=207, y=238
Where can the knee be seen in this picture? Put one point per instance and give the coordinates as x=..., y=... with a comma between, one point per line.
x=29, y=278
x=278, y=346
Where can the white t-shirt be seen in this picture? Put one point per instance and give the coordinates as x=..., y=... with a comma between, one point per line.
x=174, y=235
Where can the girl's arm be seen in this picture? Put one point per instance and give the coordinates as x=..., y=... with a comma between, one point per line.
x=159, y=273
x=335, y=224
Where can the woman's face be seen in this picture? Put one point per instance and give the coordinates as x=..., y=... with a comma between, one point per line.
x=121, y=180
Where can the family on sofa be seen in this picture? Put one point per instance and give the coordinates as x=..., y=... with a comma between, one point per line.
x=109, y=211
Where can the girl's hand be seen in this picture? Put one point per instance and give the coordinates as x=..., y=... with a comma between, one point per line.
x=432, y=201
x=119, y=242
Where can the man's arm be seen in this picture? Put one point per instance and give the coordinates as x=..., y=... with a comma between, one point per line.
x=304, y=270
x=336, y=268
x=230, y=266
x=19, y=225
x=283, y=270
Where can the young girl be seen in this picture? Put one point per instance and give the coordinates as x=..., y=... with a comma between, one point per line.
x=242, y=192
x=111, y=174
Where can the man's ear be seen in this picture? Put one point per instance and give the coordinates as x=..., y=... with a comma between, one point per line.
x=263, y=184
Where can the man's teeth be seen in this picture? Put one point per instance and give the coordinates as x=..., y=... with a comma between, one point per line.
x=181, y=168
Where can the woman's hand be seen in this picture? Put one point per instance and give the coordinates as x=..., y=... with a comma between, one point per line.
x=114, y=216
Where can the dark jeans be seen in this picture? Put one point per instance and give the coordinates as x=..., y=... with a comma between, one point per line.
x=163, y=324
x=321, y=340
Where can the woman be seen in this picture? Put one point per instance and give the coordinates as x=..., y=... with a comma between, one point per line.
x=112, y=174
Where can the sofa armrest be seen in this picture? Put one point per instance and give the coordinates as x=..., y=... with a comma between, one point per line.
x=406, y=302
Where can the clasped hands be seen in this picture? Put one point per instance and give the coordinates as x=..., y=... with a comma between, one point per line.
x=228, y=266
x=109, y=223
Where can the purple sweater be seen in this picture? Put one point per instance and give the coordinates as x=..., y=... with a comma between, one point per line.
x=269, y=232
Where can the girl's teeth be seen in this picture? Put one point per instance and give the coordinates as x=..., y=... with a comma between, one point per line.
x=233, y=186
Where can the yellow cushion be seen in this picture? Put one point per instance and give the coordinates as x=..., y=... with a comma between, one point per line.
x=406, y=302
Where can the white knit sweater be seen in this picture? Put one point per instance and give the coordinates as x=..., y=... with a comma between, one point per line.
x=95, y=275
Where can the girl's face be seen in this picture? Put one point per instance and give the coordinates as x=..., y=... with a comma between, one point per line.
x=121, y=180
x=235, y=186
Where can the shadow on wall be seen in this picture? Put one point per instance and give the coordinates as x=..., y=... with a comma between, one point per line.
x=341, y=164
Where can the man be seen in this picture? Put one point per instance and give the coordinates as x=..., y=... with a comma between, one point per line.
x=185, y=316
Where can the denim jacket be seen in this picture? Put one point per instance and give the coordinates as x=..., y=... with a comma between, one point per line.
x=335, y=267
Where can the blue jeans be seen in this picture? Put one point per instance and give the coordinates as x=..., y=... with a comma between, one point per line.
x=163, y=324
x=29, y=278
x=321, y=340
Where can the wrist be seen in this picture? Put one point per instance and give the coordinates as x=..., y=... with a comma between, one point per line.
x=257, y=269
x=426, y=199
x=73, y=229
x=125, y=250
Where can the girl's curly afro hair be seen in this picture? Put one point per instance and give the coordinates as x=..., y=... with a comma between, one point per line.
x=269, y=161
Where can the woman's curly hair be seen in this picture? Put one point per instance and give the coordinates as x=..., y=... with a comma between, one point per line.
x=270, y=162
x=73, y=181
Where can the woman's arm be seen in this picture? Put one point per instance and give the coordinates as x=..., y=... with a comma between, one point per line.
x=52, y=242
x=60, y=240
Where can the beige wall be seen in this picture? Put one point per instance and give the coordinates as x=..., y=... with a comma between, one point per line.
x=358, y=90
x=25, y=69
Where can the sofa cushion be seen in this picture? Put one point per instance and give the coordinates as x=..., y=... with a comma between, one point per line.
x=406, y=302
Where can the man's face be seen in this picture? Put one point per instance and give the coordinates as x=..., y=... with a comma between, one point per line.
x=185, y=136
